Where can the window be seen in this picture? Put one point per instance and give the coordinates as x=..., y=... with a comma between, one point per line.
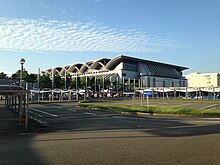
x=148, y=82
x=164, y=84
x=180, y=83
x=129, y=67
x=154, y=82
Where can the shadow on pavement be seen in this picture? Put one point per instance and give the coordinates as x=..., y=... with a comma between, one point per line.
x=16, y=144
x=187, y=130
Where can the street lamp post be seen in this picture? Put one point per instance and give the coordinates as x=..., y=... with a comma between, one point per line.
x=38, y=78
x=85, y=93
x=22, y=61
x=123, y=86
x=103, y=86
x=117, y=87
x=77, y=98
x=52, y=79
x=141, y=84
x=95, y=86
x=65, y=80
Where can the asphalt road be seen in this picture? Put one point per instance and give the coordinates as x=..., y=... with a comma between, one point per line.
x=82, y=136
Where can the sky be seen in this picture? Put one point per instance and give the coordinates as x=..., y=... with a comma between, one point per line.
x=51, y=33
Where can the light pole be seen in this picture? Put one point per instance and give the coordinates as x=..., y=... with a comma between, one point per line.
x=117, y=87
x=141, y=84
x=86, y=86
x=65, y=80
x=103, y=86
x=77, y=88
x=52, y=78
x=22, y=61
x=95, y=86
x=38, y=78
x=123, y=86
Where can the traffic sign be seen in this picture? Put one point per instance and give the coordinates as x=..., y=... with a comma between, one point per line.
x=147, y=92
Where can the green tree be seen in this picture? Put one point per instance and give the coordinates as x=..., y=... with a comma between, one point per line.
x=45, y=82
x=73, y=84
x=17, y=75
x=107, y=84
x=3, y=75
x=91, y=83
x=83, y=82
x=68, y=81
x=32, y=78
x=58, y=82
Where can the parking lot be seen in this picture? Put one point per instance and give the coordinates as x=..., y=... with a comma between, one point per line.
x=83, y=136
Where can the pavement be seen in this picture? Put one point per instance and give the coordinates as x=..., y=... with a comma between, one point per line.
x=83, y=136
x=10, y=123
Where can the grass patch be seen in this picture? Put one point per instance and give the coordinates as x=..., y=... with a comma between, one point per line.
x=172, y=101
x=154, y=109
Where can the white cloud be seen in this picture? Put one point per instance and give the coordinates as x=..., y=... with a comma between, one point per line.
x=43, y=4
x=53, y=35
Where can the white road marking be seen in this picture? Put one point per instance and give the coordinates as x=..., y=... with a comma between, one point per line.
x=208, y=106
x=50, y=114
x=72, y=110
x=87, y=113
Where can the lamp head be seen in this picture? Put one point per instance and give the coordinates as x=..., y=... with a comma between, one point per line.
x=22, y=61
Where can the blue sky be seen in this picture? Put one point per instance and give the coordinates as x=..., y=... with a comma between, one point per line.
x=50, y=33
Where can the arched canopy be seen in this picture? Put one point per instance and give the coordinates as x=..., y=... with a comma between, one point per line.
x=64, y=69
x=75, y=68
x=148, y=68
x=99, y=63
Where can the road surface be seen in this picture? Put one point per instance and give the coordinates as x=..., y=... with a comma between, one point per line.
x=82, y=136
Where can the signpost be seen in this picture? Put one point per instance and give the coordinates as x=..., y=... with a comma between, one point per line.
x=147, y=92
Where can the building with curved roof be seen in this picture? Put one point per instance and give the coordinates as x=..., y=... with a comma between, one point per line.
x=154, y=74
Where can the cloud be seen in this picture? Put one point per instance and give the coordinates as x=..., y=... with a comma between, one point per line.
x=53, y=35
x=42, y=4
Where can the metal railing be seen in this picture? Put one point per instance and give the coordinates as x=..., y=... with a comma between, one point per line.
x=37, y=117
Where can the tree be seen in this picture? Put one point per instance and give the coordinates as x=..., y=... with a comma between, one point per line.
x=91, y=83
x=73, y=84
x=17, y=75
x=32, y=78
x=58, y=82
x=3, y=75
x=68, y=81
x=83, y=82
x=45, y=82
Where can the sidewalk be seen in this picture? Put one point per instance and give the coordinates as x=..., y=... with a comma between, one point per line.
x=9, y=123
